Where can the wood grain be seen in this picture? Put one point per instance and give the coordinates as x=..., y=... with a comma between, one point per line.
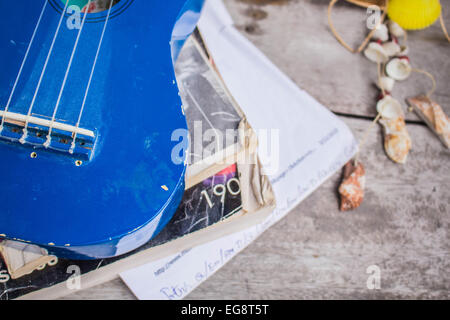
x=112, y=290
x=317, y=252
x=297, y=38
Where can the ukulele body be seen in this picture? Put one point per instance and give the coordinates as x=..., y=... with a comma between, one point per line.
x=99, y=171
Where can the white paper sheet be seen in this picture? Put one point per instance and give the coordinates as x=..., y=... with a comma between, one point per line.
x=314, y=144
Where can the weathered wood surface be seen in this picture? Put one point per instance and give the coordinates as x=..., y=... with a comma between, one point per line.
x=403, y=225
x=112, y=290
x=295, y=35
x=317, y=252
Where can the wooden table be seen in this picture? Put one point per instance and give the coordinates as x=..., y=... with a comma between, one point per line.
x=403, y=226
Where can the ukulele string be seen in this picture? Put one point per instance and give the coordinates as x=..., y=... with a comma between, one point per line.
x=25, y=130
x=47, y=142
x=22, y=66
x=74, y=138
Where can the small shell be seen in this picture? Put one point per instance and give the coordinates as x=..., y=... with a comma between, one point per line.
x=381, y=33
x=352, y=187
x=398, y=69
x=397, y=142
x=391, y=48
x=395, y=29
x=376, y=53
x=434, y=117
x=390, y=108
x=404, y=50
x=386, y=83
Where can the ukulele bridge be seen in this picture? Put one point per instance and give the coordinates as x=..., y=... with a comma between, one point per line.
x=43, y=133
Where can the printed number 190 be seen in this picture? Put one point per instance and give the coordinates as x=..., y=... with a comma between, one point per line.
x=233, y=187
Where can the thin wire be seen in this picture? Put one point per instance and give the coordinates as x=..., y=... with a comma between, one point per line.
x=23, y=64
x=429, y=75
x=72, y=147
x=47, y=143
x=377, y=118
x=364, y=140
x=25, y=130
x=368, y=37
x=444, y=28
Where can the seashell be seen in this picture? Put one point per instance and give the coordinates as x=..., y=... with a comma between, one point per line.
x=397, y=142
x=414, y=14
x=391, y=48
x=404, y=50
x=398, y=69
x=386, y=84
x=390, y=108
x=381, y=33
x=433, y=115
x=376, y=53
x=395, y=29
x=352, y=187
x=397, y=145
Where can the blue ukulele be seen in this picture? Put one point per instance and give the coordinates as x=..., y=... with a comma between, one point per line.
x=90, y=122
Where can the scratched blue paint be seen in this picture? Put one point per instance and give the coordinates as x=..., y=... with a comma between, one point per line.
x=114, y=202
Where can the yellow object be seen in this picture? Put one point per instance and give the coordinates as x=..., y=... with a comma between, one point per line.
x=414, y=14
